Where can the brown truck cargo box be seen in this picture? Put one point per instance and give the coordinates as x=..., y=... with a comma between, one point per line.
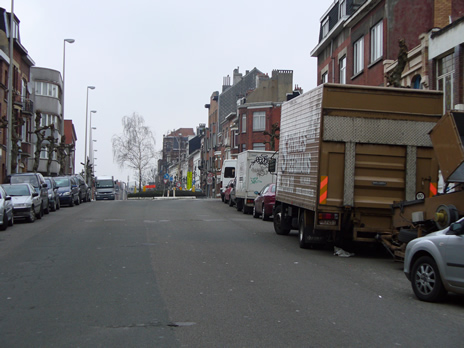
x=447, y=138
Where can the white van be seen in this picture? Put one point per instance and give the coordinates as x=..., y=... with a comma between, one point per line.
x=227, y=174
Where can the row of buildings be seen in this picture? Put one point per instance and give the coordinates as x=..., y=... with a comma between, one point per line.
x=41, y=139
x=391, y=43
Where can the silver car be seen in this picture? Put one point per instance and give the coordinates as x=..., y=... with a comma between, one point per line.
x=6, y=210
x=435, y=263
x=27, y=203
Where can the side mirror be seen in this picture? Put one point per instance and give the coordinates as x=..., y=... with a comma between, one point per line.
x=457, y=228
x=8, y=198
x=35, y=194
x=272, y=165
x=44, y=185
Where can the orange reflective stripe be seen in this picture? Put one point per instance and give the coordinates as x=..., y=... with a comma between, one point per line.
x=323, y=190
x=433, y=189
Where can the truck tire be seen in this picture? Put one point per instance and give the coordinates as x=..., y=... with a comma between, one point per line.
x=238, y=204
x=279, y=225
x=306, y=228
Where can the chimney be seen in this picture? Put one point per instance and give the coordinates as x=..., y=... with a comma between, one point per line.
x=237, y=76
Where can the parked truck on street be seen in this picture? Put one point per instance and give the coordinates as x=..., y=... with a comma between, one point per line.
x=252, y=175
x=346, y=154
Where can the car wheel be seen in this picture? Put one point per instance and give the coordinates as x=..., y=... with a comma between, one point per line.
x=279, y=226
x=264, y=216
x=426, y=281
x=5, y=222
x=11, y=222
x=32, y=216
x=255, y=212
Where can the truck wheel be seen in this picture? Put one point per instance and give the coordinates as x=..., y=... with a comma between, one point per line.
x=425, y=280
x=305, y=229
x=279, y=226
x=238, y=204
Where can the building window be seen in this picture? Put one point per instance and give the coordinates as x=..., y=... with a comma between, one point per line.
x=243, y=147
x=342, y=10
x=377, y=42
x=235, y=140
x=416, y=82
x=259, y=146
x=358, y=51
x=445, y=76
x=325, y=27
x=325, y=77
x=244, y=123
x=342, y=64
x=46, y=89
x=259, y=121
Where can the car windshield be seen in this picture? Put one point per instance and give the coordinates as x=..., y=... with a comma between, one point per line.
x=105, y=183
x=28, y=179
x=17, y=190
x=62, y=182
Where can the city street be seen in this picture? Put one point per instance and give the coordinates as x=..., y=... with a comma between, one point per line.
x=197, y=273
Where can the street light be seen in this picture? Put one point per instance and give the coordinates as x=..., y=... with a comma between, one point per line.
x=10, y=94
x=70, y=41
x=86, y=127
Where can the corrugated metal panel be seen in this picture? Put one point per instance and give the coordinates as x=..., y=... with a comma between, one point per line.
x=299, y=150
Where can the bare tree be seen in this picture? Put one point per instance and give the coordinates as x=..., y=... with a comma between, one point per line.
x=135, y=147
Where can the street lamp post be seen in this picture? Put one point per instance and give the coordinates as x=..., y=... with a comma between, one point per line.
x=90, y=138
x=64, y=71
x=179, y=138
x=86, y=127
x=10, y=95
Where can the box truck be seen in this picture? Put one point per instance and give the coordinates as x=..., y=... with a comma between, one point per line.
x=252, y=175
x=346, y=154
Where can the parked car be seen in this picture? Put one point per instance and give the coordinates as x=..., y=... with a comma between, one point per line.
x=227, y=190
x=231, y=200
x=264, y=202
x=435, y=263
x=53, y=197
x=6, y=210
x=38, y=182
x=27, y=203
x=68, y=190
x=84, y=189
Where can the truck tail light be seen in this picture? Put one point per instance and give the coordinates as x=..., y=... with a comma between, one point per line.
x=327, y=218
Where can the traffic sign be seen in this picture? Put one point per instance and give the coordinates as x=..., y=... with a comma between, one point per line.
x=165, y=181
x=166, y=176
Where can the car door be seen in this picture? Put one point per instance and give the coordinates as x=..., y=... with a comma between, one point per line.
x=454, y=259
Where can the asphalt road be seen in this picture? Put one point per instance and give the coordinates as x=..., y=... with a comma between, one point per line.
x=196, y=273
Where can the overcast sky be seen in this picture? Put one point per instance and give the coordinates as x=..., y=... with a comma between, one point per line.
x=162, y=60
